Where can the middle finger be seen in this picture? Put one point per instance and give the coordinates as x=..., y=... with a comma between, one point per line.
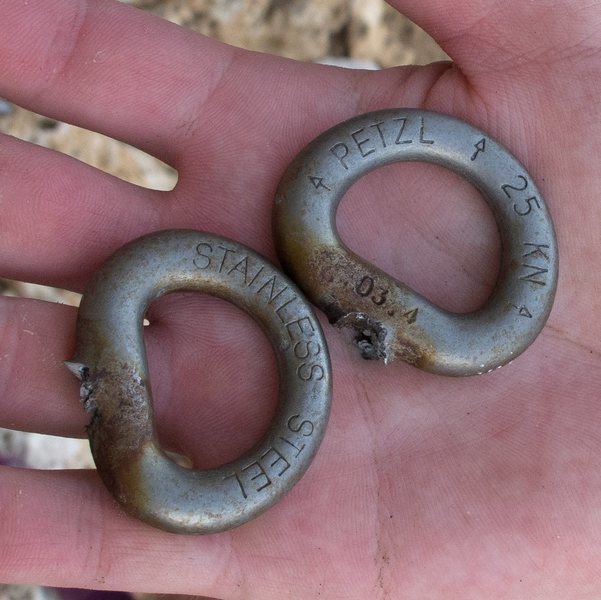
x=61, y=218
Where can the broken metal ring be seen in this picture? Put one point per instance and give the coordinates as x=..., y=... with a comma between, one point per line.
x=111, y=362
x=390, y=318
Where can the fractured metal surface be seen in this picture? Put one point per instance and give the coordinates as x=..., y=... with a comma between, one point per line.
x=110, y=361
x=390, y=319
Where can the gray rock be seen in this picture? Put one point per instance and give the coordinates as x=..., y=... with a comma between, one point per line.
x=6, y=108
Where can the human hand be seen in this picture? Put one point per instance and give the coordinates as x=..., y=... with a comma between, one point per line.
x=424, y=487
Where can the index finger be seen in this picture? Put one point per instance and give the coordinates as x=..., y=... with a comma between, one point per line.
x=110, y=68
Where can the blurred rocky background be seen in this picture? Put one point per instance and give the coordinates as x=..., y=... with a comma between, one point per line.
x=353, y=33
x=305, y=29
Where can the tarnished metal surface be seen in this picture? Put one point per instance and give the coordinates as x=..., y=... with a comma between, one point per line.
x=110, y=361
x=390, y=319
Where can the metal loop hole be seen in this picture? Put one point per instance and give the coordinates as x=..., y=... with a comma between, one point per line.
x=222, y=393
x=429, y=228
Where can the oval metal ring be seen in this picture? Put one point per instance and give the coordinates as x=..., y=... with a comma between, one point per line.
x=110, y=360
x=392, y=320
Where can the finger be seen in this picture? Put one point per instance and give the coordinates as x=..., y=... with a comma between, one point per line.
x=114, y=69
x=519, y=39
x=107, y=67
x=61, y=218
x=63, y=529
x=36, y=392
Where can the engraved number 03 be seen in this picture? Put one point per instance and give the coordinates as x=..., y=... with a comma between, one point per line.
x=366, y=286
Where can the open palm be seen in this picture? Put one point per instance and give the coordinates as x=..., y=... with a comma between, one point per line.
x=425, y=487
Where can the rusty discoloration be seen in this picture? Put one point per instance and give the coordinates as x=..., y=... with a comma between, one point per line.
x=117, y=397
x=381, y=332
x=112, y=368
x=120, y=426
x=422, y=354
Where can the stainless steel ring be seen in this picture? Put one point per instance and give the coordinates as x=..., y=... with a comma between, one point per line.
x=110, y=360
x=392, y=320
